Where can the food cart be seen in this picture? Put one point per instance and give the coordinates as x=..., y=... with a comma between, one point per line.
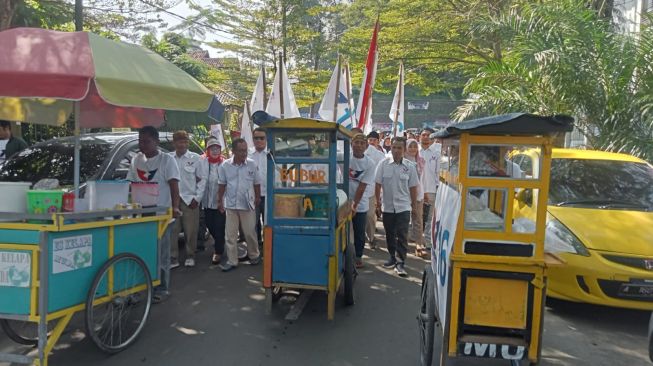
x=308, y=214
x=486, y=284
x=72, y=262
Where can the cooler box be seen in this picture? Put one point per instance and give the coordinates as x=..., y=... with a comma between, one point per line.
x=106, y=194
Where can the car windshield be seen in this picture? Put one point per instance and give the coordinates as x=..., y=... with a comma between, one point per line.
x=601, y=184
x=54, y=159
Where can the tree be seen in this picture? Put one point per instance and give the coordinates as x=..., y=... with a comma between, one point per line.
x=564, y=57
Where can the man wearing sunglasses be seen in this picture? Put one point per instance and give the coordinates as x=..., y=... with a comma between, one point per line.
x=259, y=155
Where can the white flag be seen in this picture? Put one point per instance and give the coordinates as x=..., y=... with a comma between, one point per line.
x=281, y=91
x=258, y=96
x=345, y=108
x=246, y=128
x=216, y=131
x=397, y=111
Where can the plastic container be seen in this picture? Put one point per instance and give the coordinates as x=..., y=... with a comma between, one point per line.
x=68, y=202
x=13, y=196
x=41, y=202
x=147, y=194
x=106, y=194
x=288, y=205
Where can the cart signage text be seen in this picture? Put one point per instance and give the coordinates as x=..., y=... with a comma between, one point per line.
x=72, y=253
x=303, y=175
x=15, y=269
x=484, y=350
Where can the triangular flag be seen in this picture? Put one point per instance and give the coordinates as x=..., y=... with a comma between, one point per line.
x=216, y=131
x=282, y=102
x=364, y=110
x=246, y=127
x=397, y=110
x=336, y=95
x=258, y=96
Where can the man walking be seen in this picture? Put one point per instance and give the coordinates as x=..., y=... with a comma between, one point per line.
x=191, y=192
x=373, y=152
x=398, y=178
x=9, y=144
x=361, y=176
x=239, y=193
x=259, y=155
x=430, y=151
x=151, y=166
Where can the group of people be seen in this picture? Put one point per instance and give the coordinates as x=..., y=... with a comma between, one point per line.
x=399, y=186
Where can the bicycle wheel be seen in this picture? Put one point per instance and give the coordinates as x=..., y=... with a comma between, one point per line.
x=118, y=302
x=426, y=318
x=22, y=332
x=349, y=275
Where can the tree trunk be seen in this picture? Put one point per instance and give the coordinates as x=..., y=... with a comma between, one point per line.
x=604, y=8
x=7, y=12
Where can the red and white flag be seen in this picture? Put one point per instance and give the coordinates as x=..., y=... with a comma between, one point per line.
x=364, y=110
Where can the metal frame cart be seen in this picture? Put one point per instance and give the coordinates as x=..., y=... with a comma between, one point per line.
x=486, y=284
x=308, y=215
x=53, y=266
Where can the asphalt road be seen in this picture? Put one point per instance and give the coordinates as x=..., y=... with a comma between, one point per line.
x=216, y=318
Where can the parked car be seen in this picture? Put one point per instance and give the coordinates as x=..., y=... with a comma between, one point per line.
x=600, y=222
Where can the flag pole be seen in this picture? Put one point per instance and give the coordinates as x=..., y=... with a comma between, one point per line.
x=337, y=91
x=400, y=82
x=348, y=81
x=280, y=71
x=265, y=92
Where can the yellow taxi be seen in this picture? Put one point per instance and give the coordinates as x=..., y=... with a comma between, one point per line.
x=600, y=222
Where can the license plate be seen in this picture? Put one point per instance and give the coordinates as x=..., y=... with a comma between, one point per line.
x=636, y=290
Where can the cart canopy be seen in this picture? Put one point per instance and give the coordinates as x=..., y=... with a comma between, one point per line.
x=509, y=124
x=267, y=121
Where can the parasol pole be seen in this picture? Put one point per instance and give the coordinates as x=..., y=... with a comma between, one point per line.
x=76, y=153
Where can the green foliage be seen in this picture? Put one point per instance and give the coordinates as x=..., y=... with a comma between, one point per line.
x=563, y=57
x=174, y=48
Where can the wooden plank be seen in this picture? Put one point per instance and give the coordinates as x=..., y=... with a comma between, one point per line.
x=299, y=306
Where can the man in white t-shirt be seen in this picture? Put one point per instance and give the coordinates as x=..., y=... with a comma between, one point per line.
x=152, y=166
x=361, y=176
x=430, y=151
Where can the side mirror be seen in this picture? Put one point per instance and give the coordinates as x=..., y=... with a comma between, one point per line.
x=525, y=197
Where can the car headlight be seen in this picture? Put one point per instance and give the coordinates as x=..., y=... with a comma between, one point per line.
x=558, y=238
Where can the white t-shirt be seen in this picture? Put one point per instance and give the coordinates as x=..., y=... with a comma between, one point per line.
x=3, y=146
x=431, y=167
x=159, y=169
x=361, y=171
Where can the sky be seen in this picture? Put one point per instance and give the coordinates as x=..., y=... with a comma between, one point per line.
x=183, y=10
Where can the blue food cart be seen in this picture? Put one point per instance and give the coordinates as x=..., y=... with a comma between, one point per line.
x=55, y=265
x=307, y=245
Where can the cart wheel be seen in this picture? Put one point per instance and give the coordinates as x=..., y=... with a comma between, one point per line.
x=426, y=318
x=350, y=274
x=23, y=332
x=116, y=316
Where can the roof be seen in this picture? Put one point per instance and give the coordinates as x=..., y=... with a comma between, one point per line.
x=265, y=121
x=509, y=124
x=594, y=155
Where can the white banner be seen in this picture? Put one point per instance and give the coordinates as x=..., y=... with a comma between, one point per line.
x=444, y=222
x=15, y=269
x=72, y=253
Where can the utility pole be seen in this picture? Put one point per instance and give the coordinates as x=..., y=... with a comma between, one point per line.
x=79, y=16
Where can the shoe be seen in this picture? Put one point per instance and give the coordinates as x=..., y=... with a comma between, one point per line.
x=174, y=263
x=226, y=267
x=399, y=268
x=216, y=258
x=373, y=245
x=391, y=263
x=255, y=261
x=359, y=263
x=190, y=262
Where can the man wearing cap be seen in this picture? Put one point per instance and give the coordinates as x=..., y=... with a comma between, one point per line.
x=239, y=192
x=398, y=178
x=191, y=192
x=260, y=157
x=373, y=152
x=430, y=151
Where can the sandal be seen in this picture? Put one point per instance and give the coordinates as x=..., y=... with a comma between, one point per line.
x=216, y=258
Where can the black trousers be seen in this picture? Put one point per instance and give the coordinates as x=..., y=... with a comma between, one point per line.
x=215, y=222
x=358, y=224
x=260, y=220
x=396, y=233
